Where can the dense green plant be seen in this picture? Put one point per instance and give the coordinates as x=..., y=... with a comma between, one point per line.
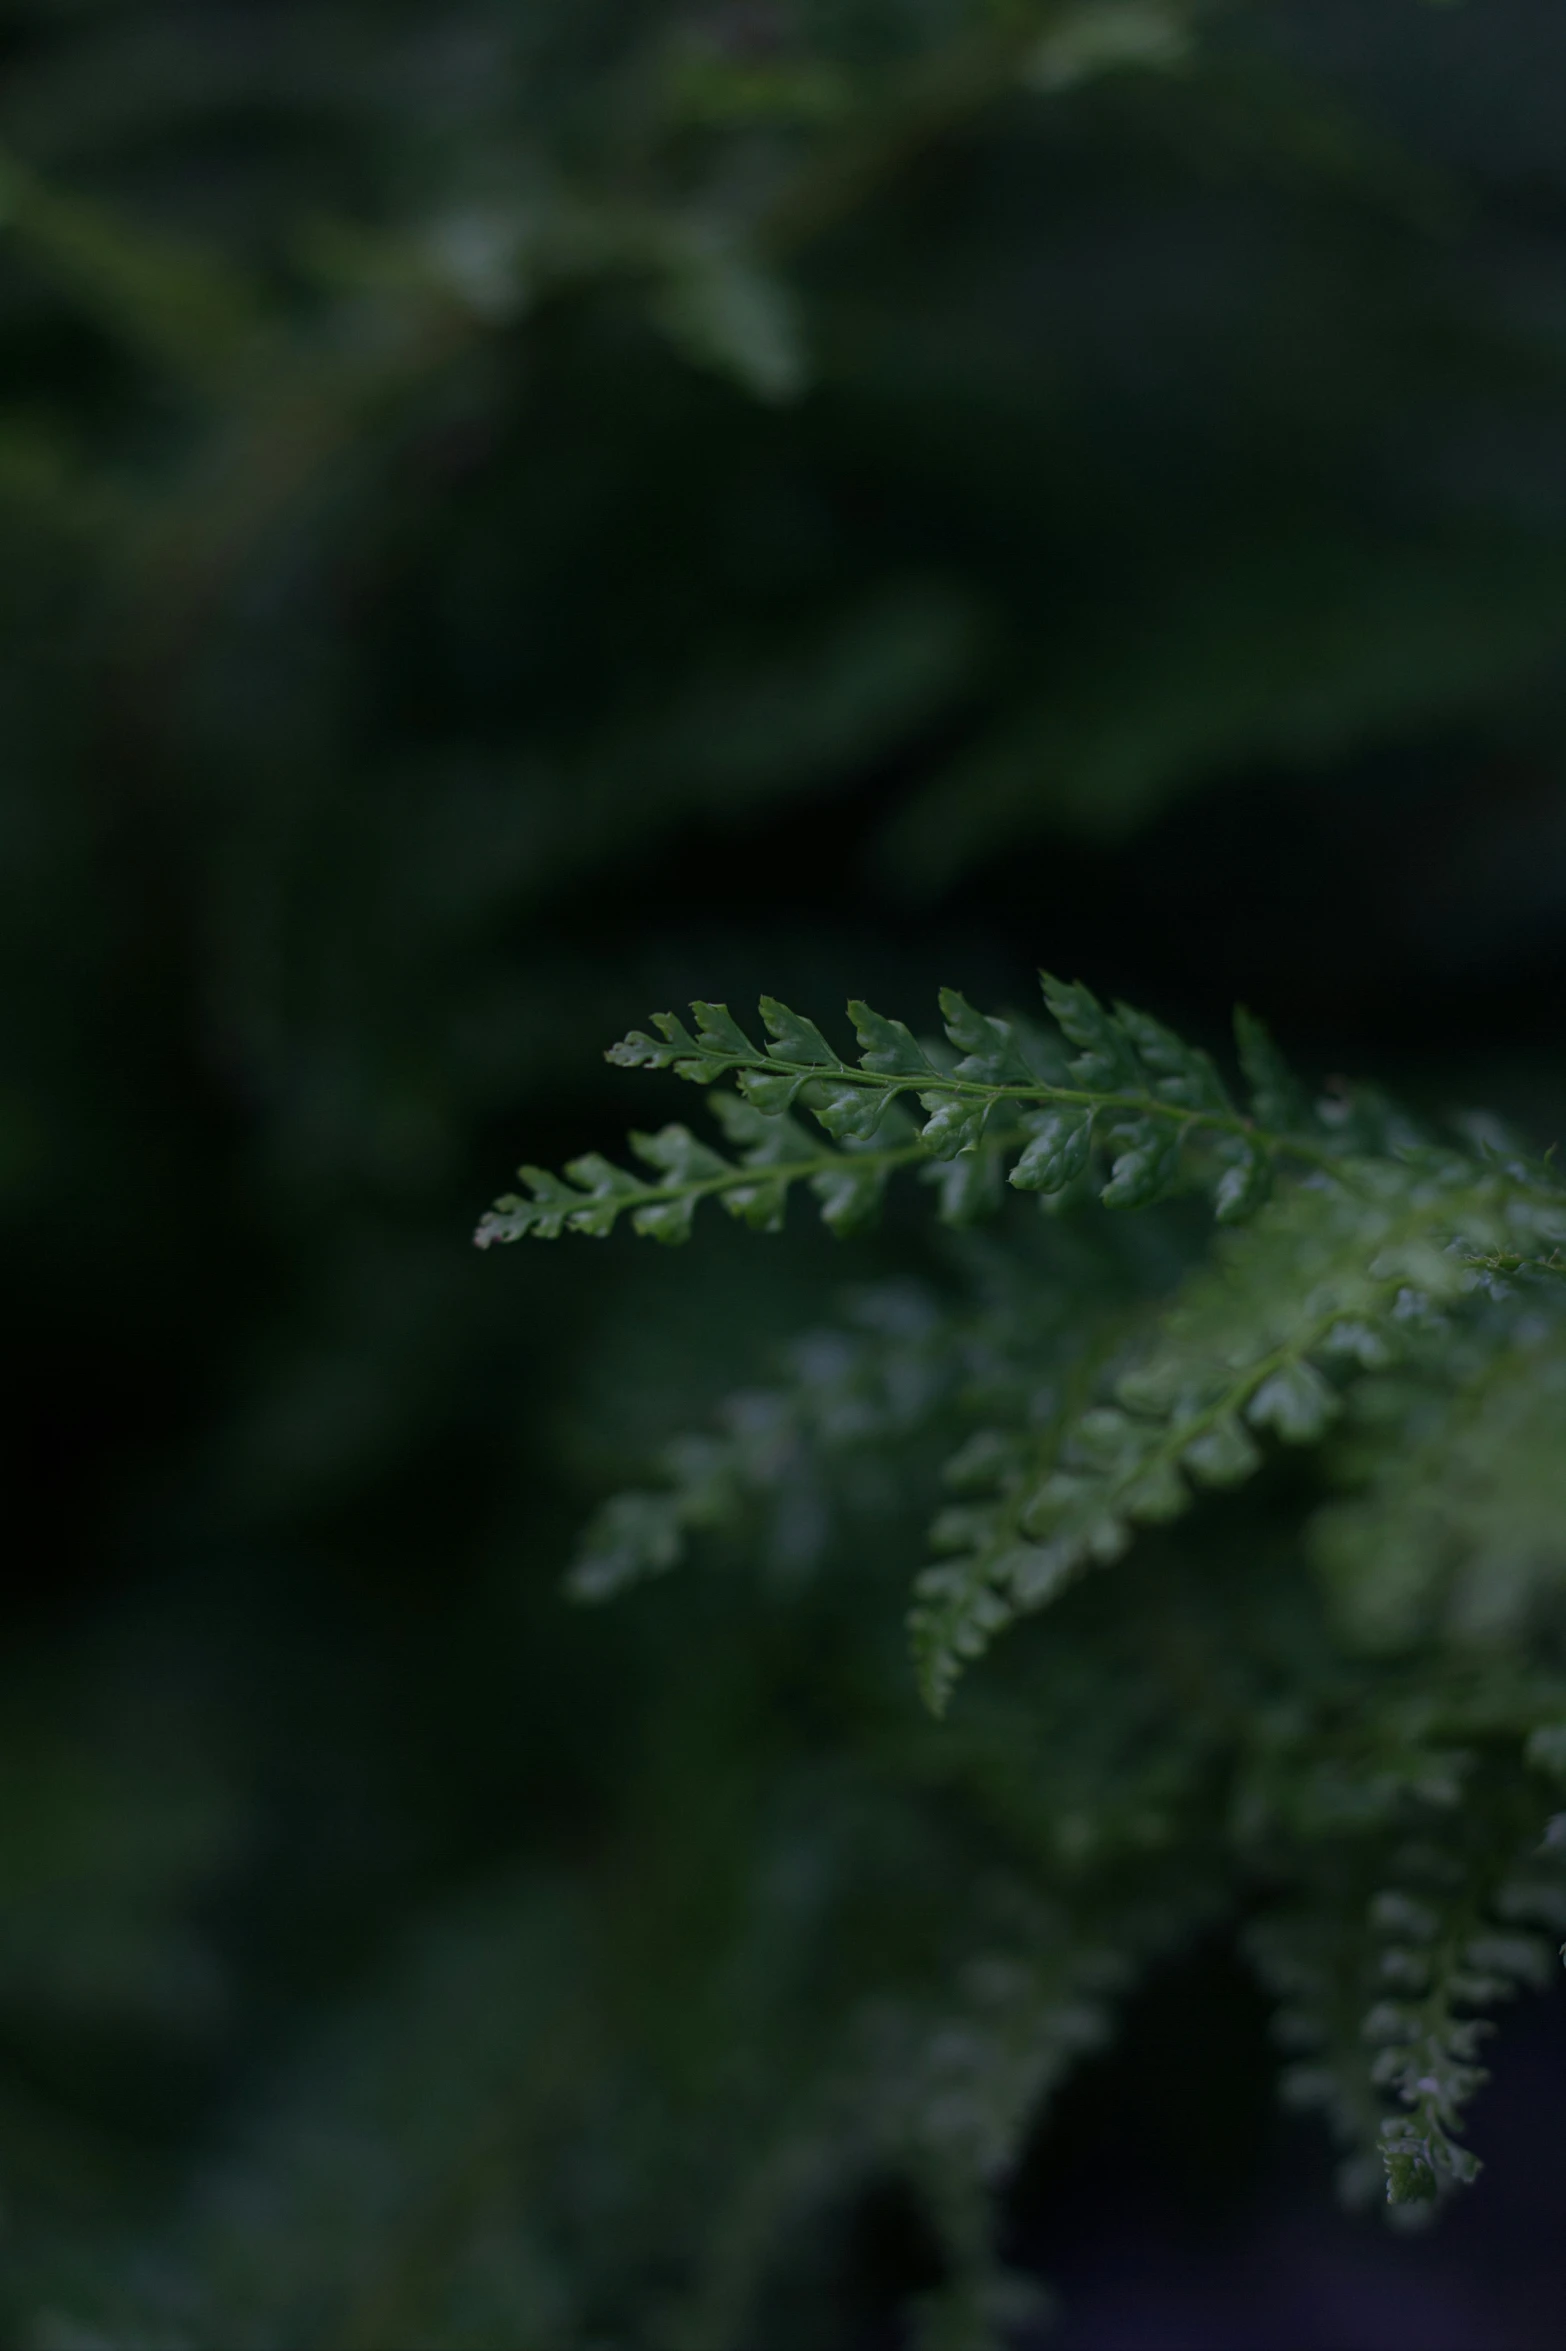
x=1398, y=1293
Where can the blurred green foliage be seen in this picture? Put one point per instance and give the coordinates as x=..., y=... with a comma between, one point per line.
x=512, y=514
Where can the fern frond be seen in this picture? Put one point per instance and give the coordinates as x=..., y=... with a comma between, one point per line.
x=1384, y=1967
x=1362, y=1245
x=994, y=1093
x=774, y=1154
x=904, y=1371
x=1325, y=1283
x=886, y=1375
x=1460, y=1521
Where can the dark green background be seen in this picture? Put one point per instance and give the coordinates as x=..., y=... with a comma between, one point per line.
x=1119, y=523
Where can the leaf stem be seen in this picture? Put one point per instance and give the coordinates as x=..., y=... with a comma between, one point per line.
x=1042, y=1093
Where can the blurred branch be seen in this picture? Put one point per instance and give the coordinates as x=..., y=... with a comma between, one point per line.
x=190, y=315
